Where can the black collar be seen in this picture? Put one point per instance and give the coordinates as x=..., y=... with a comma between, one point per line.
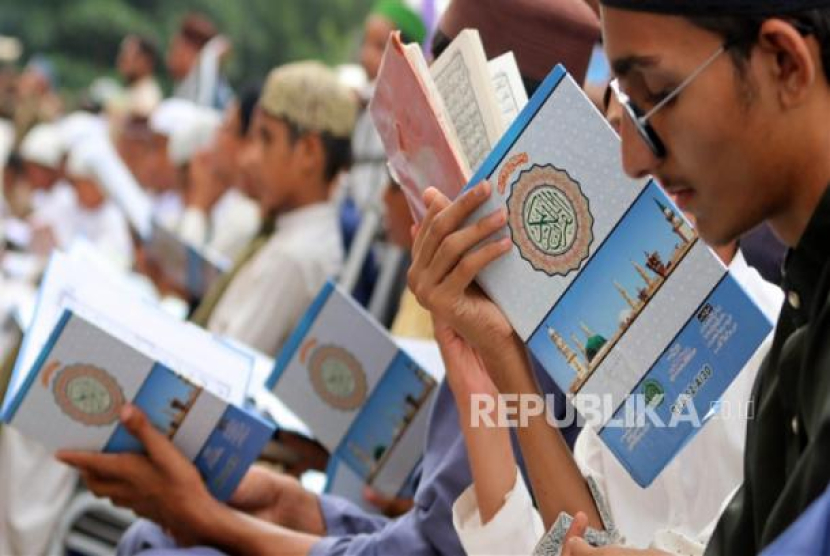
x=805, y=265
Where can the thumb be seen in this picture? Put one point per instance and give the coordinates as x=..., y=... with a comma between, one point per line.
x=159, y=448
x=577, y=528
x=577, y=546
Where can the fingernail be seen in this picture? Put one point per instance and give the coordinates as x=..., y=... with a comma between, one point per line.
x=127, y=412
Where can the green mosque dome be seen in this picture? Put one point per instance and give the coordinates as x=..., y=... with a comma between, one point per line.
x=593, y=345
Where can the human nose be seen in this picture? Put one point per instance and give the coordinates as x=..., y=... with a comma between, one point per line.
x=637, y=157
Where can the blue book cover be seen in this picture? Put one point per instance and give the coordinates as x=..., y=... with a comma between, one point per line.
x=72, y=397
x=364, y=398
x=610, y=287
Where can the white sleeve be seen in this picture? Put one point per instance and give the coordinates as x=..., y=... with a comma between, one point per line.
x=515, y=529
x=193, y=227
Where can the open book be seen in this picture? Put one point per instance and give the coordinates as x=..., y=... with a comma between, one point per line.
x=607, y=283
x=362, y=396
x=437, y=125
x=92, y=348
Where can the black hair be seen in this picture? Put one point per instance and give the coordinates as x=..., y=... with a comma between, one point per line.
x=337, y=150
x=440, y=42
x=741, y=32
x=148, y=48
x=247, y=103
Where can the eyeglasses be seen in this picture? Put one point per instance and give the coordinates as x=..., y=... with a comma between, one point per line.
x=641, y=119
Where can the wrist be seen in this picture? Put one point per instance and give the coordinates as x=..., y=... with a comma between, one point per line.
x=509, y=367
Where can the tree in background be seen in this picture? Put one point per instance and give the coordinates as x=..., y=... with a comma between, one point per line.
x=81, y=37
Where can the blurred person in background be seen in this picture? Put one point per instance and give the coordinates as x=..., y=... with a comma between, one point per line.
x=98, y=220
x=36, y=99
x=138, y=59
x=368, y=173
x=193, y=60
x=220, y=213
x=54, y=203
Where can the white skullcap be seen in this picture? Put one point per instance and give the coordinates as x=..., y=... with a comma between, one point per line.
x=81, y=158
x=170, y=115
x=78, y=126
x=196, y=134
x=43, y=145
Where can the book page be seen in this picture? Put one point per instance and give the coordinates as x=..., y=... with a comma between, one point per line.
x=411, y=122
x=507, y=82
x=181, y=346
x=463, y=79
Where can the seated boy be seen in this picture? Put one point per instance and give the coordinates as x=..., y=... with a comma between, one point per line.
x=299, y=145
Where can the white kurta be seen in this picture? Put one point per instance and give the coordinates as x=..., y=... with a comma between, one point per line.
x=57, y=209
x=271, y=292
x=34, y=491
x=106, y=228
x=678, y=511
x=229, y=227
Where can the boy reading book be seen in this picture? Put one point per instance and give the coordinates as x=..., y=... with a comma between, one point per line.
x=300, y=143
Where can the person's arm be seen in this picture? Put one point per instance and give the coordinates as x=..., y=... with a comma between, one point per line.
x=447, y=256
x=165, y=487
x=496, y=514
x=489, y=448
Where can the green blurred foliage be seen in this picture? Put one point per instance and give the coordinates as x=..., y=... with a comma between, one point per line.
x=81, y=37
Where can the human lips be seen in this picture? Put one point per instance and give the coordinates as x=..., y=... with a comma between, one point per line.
x=681, y=194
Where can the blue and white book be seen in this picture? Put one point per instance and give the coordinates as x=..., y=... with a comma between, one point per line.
x=92, y=348
x=610, y=287
x=365, y=399
x=189, y=268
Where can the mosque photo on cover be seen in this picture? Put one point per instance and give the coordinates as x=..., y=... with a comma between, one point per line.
x=613, y=289
x=166, y=399
x=383, y=421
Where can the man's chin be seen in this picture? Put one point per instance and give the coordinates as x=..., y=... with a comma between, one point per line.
x=717, y=237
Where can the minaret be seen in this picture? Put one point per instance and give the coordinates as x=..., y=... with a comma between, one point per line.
x=588, y=332
x=643, y=274
x=655, y=263
x=580, y=344
x=625, y=295
x=674, y=221
x=566, y=352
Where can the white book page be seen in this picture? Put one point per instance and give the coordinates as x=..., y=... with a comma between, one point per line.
x=186, y=349
x=416, y=57
x=463, y=79
x=507, y=82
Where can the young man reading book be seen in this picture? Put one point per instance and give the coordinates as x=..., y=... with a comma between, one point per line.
x=299, y=145
x=750, y=148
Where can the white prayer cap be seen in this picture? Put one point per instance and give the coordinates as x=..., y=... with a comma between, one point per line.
x=79, y=126
x=81, y=158
x=43, y=145
x=170, y=115
x=196, y=134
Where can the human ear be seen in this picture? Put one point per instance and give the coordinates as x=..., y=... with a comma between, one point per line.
x=311, y=153
x=793, y=60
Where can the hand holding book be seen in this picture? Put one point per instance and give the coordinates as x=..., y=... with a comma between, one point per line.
x=161, y=485
x=444, y=267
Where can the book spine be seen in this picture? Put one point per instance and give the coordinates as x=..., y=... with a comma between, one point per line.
x=296, y=339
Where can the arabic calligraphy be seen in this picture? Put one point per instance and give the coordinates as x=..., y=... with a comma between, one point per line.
x=550, y=220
